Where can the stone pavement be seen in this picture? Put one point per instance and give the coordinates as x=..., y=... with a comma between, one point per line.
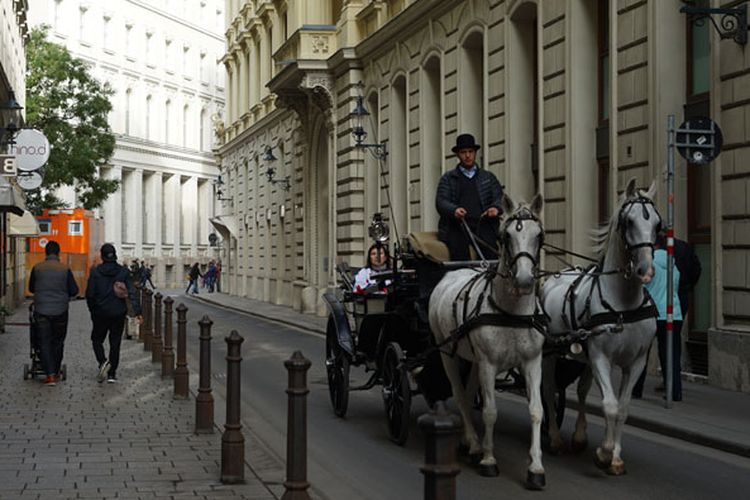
x=708, y=416
x=81, y=439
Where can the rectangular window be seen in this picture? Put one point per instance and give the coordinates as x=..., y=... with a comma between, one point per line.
x=75, y=228
x=45, y=226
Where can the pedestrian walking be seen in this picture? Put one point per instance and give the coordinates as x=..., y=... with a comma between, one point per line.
x=193, y=275
x=209, y=277
x=146, y=273
x=470, y=194
x=109, y=289
x=53, y=285
x=217, y=276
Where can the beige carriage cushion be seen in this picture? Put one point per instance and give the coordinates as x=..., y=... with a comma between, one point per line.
x=427, y=245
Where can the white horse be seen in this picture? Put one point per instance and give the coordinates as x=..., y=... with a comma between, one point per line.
x=609, y=304
x=508, y=295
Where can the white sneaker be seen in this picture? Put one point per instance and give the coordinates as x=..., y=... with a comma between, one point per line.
x=103, y=369
x=111, y=379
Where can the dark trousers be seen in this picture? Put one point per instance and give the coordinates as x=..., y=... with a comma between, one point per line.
x=102, y=328
x=459, y=243
x=51, y=331
x=661, y=339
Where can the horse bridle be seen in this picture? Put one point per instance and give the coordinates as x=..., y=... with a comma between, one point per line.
x=622, y=225
x=522, y=215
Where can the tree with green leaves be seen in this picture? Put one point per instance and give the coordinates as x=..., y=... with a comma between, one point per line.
x=70, y=106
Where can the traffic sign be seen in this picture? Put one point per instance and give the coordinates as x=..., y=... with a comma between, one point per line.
x=699, y=140
x=28, y=181
x=31, y=149
x=8, y=165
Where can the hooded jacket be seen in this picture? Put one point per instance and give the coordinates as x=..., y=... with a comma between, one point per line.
x=100, y=293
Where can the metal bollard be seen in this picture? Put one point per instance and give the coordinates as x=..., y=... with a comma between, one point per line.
x=232, y=441
x=204, y=402
x=181, y=374
x=156, y=336
x=441, y=468
x=167, y=354
x=296, y=484
x=148, y=314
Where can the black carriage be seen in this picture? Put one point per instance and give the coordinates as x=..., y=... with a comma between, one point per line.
x=386, y=332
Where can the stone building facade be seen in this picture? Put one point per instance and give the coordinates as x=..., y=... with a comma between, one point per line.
x=161, y=58
x=567, y=97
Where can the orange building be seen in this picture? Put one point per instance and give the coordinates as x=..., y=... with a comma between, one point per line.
x=80, y=235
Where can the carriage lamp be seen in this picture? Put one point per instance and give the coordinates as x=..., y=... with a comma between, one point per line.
x=11, y=114
x=378, y=230
x=358, y=115
x=268, y=157
x=732, y=21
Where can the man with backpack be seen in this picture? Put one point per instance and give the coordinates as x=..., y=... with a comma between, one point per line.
x=109, y=289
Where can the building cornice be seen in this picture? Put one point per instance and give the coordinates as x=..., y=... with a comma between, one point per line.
x=176, y=19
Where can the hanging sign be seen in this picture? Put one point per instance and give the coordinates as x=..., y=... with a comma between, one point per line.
x=699, y=140
x=28, y=181
x=8, y=165
x=31, y=149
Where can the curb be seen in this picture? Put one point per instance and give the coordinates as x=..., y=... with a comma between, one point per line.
x=674, y=432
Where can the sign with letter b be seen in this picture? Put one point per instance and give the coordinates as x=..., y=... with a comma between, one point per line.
x=8, y=165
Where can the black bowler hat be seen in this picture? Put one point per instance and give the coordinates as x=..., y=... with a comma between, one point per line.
x=465, y=141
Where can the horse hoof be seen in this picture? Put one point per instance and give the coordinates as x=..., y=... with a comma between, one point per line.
x=535, y=481
x=475, y=458
x=617, y=469
x=489, y=470
x=599, y=462
x=579, y=446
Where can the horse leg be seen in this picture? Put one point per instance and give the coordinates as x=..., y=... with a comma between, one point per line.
x=549, y=365
x=602, y=370
x=580, y=440
x=459, y=395
x=533, y=373
x=617, y=467
x=487, y=373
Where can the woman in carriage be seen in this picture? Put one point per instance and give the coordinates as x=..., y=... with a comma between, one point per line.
x=377, y=261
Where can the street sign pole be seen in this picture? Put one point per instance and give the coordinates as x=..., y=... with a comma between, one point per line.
x=670, y=259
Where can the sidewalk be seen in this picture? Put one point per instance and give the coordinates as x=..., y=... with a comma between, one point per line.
x=707, y=415
x=81, y=439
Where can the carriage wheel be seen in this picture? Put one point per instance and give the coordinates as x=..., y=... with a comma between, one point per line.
x=396, y=393
x=26, y=371
x=337, y=367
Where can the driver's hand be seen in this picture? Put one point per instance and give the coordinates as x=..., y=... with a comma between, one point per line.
x=491, y=212
x=460, y=213
x=139, y=319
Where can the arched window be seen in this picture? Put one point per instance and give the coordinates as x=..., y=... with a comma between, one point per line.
x=431, y=123
x=399, y=166
x=471, y=87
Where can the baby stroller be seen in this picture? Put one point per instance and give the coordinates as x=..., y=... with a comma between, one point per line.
x=36, y=370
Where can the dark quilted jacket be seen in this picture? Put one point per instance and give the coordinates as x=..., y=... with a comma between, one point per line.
x=490, y=193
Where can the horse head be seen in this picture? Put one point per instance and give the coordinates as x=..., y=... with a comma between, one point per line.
x=521, y=236
x=638, y=224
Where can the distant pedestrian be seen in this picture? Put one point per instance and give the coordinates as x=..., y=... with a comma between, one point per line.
x=109, y=288
x=209, y=277
x=53, y=285
x=217, y=278
x=146, y=273
x=193, y=275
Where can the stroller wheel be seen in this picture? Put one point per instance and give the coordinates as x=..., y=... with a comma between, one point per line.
x=26, y=371
x=64, y=372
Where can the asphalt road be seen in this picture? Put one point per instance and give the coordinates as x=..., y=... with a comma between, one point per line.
x=352, y=458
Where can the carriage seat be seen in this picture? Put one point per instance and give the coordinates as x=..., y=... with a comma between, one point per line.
x=426, y=245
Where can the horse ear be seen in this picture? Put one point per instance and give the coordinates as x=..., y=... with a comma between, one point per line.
x=537, y=203
x=507, y=204
x=651, y=190
x=630, y=190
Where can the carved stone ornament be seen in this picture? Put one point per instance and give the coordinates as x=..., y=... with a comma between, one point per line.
x=319, y=44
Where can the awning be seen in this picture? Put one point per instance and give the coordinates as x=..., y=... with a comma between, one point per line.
x=24, y=225
x=226, y=225
x=11, y=199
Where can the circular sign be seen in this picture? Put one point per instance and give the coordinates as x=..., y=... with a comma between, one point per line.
x=28, y=181
x=703, y=145
x=31, y=149
x=43, y=242
x=212, y=239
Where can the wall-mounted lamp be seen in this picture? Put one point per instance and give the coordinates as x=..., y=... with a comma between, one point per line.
x=11, y=114
x=358, y=131
x=732, y=23
x=268, y=157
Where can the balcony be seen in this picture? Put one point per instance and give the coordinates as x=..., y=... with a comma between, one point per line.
x=310, y=42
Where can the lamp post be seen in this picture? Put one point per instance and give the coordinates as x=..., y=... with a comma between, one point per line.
x=10, y=114
x=379, y=149
x=269, y=157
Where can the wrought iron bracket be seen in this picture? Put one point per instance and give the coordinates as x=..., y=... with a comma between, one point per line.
x=286, y=183
x=732, y=22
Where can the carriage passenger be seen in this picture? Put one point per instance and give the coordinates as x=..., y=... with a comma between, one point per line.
x=377, y=261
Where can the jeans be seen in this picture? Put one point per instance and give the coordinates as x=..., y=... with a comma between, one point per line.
x=192, y=285
x=51, y=331
x=112, y=327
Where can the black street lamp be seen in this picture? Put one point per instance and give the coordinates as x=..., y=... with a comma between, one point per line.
x=379, y=150
x=268, y=157
x=10, y=112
